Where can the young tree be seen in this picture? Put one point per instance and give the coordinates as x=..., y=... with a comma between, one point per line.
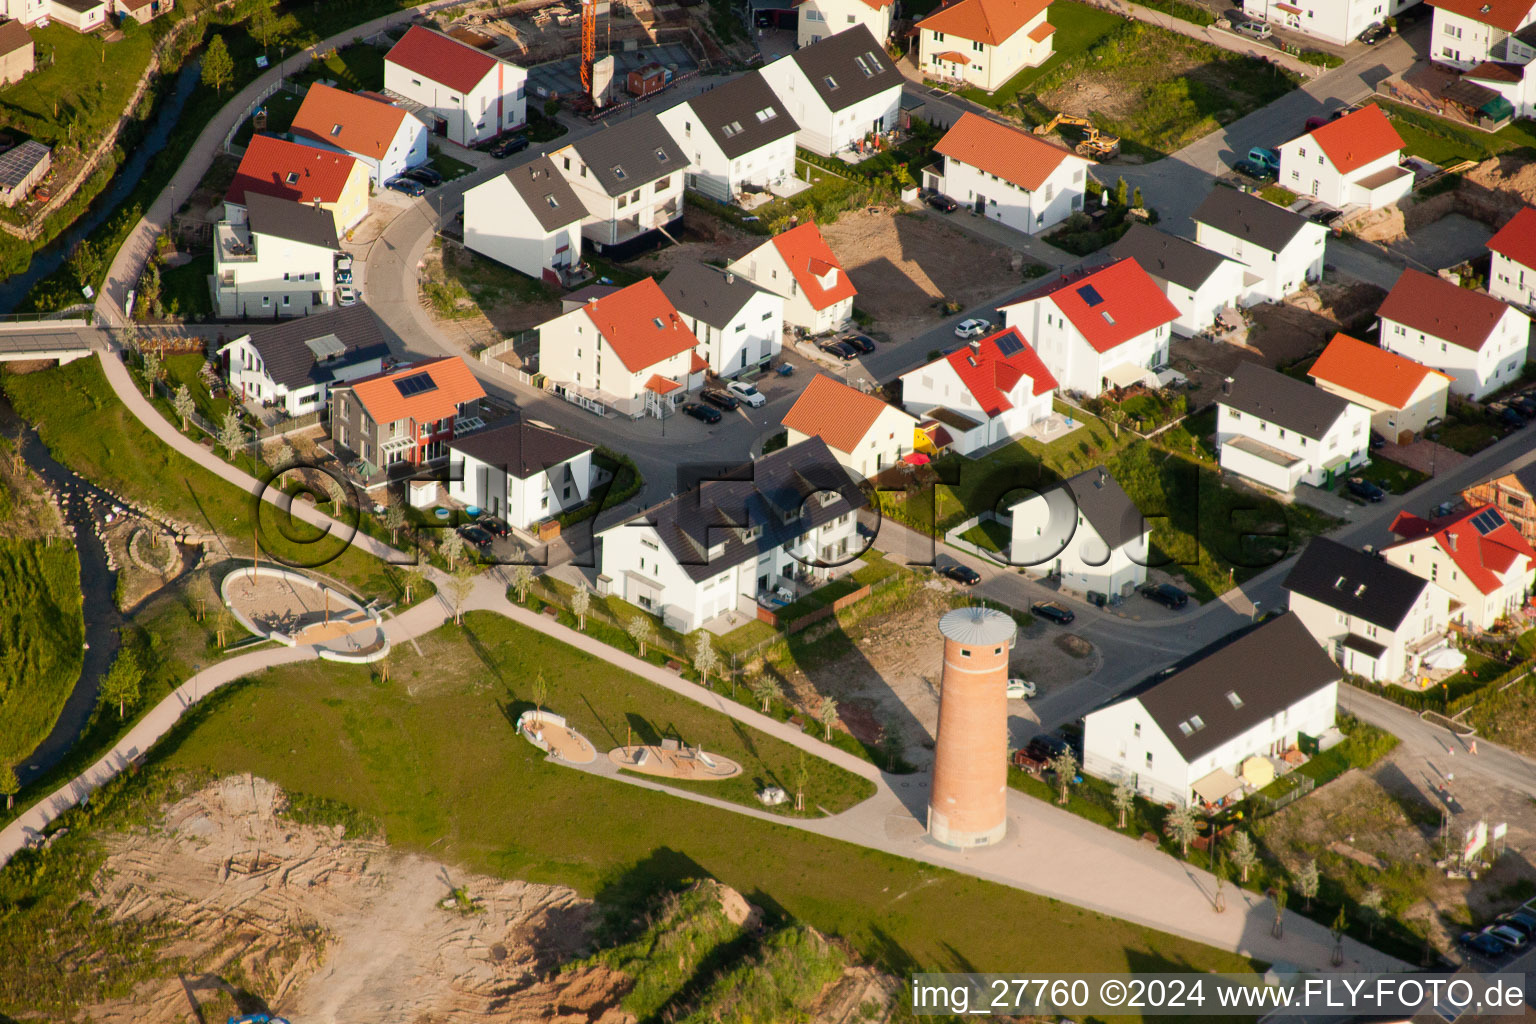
x=184, y=405
x=1222, y=873
x=641, y=630
x=263, y=23
x=1183, y=827
x=1136, y=201
x=581, y=604
x=121, y=684
x=153, y=364
x=1244, y=855
x=827, y=715
x=1124, y=798
x=282, y=456
x=460, y=585
x=1122, y=192
x=766, y=691
x=130, y=336
x=452, y=547
x=1282, y=895
x=802, y=776
x=84, y=262
x=415, y=575
x=1064, y=767
x=705, y=658
x=539, y=691
x=231, y=434
x=522, y=580
x=218, y=67
x=223, y=623
x=1370, y=902
x=1340, y=924
x=1307, y=881
x=394, y=521
x=149, y=289
x=10, y=785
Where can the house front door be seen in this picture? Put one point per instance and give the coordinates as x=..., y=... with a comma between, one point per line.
x=981, y=204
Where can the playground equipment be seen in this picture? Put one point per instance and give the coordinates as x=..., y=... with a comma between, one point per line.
x=1095, y=144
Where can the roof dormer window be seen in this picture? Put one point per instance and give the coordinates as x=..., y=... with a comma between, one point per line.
x=661, y=156
x=657, y=321
x=732, y=130
x=1234, y=699
x=766, y=114
x=335, y=130
x=830, y=81
x=292, y=178
x=618, y=172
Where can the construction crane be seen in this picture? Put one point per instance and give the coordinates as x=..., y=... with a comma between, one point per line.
x=1095, y=143
x=588, y=45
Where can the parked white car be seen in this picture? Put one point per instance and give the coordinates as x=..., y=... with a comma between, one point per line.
x=972, y=328
x=747, y=392
x=346, y=295
x=1020, y=689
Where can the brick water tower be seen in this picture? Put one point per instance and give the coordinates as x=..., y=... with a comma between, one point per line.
x=968, y=804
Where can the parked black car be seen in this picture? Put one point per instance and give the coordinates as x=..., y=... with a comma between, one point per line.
x=941, y=202
x=1253, y=170
x=702, y=412
x=1482, y=942
x=1046, y=748
x=862, y=342
x=1374, y=34
x=1052, y=612
x=1511, y=417
x=426, y=175
x=1522, y=921
x=841, y=349
x=495, y=527
x=476, y=536
x=506, y=147
x=1325, y=217
x=1165, y=594
x=961, y=574
x=1363, y=488
x=406, y=185
x=1526, y=403
x=720, y=399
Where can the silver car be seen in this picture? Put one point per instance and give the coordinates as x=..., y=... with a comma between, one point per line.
x=1256, y=29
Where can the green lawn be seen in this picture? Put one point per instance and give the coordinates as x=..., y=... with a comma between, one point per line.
x=448, y=167
x=1444, y=142
x=1468, y=432
x=989, y=535
x=184, y=289
x=41, y=632
x=1277, y=194
x=82, y=85
x=876, y=567
x=1393, y=477
x=186, y=369
x=1193, y=437
x=1078, y=27
x=354, y=68
x=281, y=108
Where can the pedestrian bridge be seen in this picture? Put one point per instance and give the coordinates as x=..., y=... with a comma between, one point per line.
x=20, y=343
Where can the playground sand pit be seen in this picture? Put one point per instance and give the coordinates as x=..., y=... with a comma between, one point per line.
x=684, y=763
x=283, y=604
x=561, y=741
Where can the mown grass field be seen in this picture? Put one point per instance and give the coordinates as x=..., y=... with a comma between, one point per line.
x=82, y=89
x=41, y=632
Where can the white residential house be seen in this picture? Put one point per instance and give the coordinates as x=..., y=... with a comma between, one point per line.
x=1476, y=339
x=984, y=43
x=630, y=351
x=799, y=266
x=630, y=177
x=986, y=392
x=1468, y=32
x=1403, y=397
x=737, y=136
x=1512, y=278
x=1354, y=161
x=863, y=433
x=466, y=94
x=279, y=260
x=1477, y=556
x=840, y=91
x=1097, y=329
x=740, y=326
x=822, y=18
x=383, y=137
x=1008, y=175
x=528, y=219
x=1373, y=618
x=1198, y=281
x=783, y=524
x=292, y=365
x=1335, y=21
x=519, y=471
x=1278, y=432
x=1281, y=250
x=1208, y=731
x=1087, y=532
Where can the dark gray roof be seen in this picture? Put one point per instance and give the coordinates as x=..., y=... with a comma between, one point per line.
x=630, y=154
x=1269, y=668
x=519, y=447
x=729, y=113
x=553, y=202
x=19, y=161
x=1284, y=401
x=847, y=67
x=1355, y=583
x=83, y=6
x=757, y=494
x=1250, y=218
x=707, y=293
x=297, y=222
x=290, y=359
x=1106, y=506
x=1167, y=256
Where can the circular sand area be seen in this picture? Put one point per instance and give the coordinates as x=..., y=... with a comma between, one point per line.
x=296, y=610
x=549, y=732
x=684, y=763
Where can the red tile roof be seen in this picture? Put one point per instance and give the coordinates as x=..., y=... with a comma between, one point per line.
x=834, y=412
x=1505, y=14
x=385, y=402
x=660, y=384
x=289, y=170
x=1496, y=71
x=1010, y=153
x=433, y=55
x=1129, y=303
x=1517, y=239
x=1370, y=371
x=810, y=259
x=640, y=325
x=1430, y=303
x=699, y=364
x=952, y=57
x=1480, y=541
x=348, y=121
x=1356, y=139
x=989, y=374
x=986, y=21
x=1042, y=31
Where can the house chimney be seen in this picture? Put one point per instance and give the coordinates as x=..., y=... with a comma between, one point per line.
x=1103, y=476
x=317, y=202
x=1226, y=386
x=1450, y=539
x=730, y=278
x=976, y=344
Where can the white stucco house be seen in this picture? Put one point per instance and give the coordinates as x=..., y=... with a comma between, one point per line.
x=1468, y=32
x=383, y=137
x=1281, y=250
x=1403, y=397
x=1086, y=531
x=1476, y=339
x=1098, y=328
x=839, y=91
x=292, y=365
x=1354, y=161
x=737, y=136
x=466, y=95
x=740, y=326
x=1335, y=21
x=630, y=351
x=1192, y=737
x=799, y=266
x=985, y=392
x=279, y=260
x=1198, y=281
x=1512, y=277
x=630, y=178
x=1477, y=556
x=984, y=43
x=519, y=471
x=1276, y=431
x=528, y=219
x=1373, y=618
x=822, y=18
x=863, y=433
x=1008, y=175
x=783, y=523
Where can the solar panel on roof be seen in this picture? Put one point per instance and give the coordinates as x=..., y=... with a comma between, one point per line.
x=1487, y=521
x=415, y=385
x=1009, y=344
x=1089, y=294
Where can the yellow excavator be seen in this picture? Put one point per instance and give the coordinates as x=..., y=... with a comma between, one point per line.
x=1095, y=144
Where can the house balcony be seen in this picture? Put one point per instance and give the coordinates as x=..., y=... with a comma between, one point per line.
x=233, y=243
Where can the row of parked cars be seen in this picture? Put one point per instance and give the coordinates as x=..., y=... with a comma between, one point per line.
x=733, y=396
x=483, y=532
x=1511, y=933
x=847, y=347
